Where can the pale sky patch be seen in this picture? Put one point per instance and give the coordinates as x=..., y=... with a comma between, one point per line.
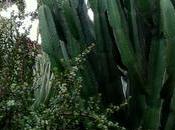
x=31, y=5
x=7, y=13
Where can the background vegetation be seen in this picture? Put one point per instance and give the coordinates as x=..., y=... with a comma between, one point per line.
x=116, y=72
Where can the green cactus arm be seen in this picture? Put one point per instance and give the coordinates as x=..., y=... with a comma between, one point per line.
x=71, y=15
x=151, y=119
x=120, y=30
x=49, y=36
x=134, y=28
x=171, y=119
x=116, y=22
x=168, y=28
x=86, y=24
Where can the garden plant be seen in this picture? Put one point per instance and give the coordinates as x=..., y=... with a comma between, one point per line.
x=114, y=70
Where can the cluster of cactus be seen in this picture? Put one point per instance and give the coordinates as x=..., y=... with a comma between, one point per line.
x=133, y=41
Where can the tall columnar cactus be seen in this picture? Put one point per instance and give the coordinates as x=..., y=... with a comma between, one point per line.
x=120, y=30
x=152, y=115
x=168, y=21
x=105, y=68
x=133, y=40
x=50, y=38
x=63, y=39
x=171, y=118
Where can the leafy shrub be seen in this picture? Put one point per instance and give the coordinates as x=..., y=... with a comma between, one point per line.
x=63, y=106
x=17, y=59
x=32, y=97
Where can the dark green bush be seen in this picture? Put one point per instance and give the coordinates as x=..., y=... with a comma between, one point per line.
x=32, y=97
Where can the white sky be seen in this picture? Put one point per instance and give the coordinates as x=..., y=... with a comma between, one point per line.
x=31, y=6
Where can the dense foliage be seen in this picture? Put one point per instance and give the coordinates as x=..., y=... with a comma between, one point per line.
x=134, y=41
x=32, y=97
x=116, y=70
